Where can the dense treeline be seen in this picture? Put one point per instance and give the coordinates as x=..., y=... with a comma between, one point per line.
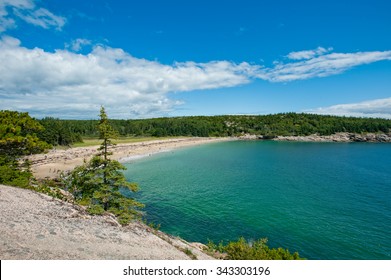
x=65, y=132
x=59, y=132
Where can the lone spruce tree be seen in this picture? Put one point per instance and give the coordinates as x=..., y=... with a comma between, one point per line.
x=98, y=182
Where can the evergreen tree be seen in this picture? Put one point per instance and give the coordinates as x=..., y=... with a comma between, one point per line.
x=98, y=183
x=106, y=133
x=18, y=137
x=59, y=132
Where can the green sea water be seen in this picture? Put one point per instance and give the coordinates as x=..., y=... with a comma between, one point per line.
x=324, y=200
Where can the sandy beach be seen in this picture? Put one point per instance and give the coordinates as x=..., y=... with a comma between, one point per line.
x=56, y=161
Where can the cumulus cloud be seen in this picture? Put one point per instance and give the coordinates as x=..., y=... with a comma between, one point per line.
x=378, y=108
x=69, y=84
x=65, y=82
x=27, y=11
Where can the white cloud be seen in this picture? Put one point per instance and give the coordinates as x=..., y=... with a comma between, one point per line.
x=41, y=17
x=27, y=11
x=308, y=54
x=77, y=45
x=321, y=66
x=378, y=108
x=75, y=85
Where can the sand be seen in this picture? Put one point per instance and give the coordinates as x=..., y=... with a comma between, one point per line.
x=51, y=164
x=36, y=226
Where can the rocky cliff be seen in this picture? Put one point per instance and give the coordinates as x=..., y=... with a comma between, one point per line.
x=36, y=226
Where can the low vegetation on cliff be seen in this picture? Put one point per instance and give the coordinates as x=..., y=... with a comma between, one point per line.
x=244, y=250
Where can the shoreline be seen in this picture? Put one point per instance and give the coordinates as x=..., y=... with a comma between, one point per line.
x=56, y=161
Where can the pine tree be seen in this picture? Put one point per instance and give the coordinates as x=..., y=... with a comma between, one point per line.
x=106, y=133
x=18, y=138
x=98, y=182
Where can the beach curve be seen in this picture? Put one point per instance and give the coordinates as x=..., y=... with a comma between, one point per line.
x=57, y=161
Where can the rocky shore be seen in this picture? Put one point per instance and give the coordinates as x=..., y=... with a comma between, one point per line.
x=36, y=226
x=337, y=137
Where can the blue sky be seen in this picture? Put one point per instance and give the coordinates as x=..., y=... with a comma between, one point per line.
x=172, y=58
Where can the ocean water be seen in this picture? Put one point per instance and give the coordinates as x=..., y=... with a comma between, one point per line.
x=324, y=200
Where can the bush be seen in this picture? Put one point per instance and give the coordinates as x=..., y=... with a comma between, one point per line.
x=257, y=250
x=124, y=218
x=51, y=188
x=13, y=173
x=95, y=209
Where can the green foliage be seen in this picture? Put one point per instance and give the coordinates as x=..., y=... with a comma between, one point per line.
x=125, y=218
x=84, y=201
x=152, y=225
x=95, y=209
x=52, y=188
x=106, y=133
x=13, y=173
x=257, y=250
x=213, y=247
x=189, y=253
x=99, y=182
x=17, y=139
x=18, y=135
x=59, y=132
x=286, y=124
x=106, y=130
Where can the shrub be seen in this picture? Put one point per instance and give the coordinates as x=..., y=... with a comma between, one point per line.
x=257, y=250
x=95, y=209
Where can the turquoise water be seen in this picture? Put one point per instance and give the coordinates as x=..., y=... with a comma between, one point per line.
x=324, y=200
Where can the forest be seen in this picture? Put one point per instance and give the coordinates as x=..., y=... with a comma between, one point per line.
x=66, y=132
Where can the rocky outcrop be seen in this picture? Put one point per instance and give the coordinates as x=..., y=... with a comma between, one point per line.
x=338, y=137
x=255, y=137
x=36, y=226
x=250, y=137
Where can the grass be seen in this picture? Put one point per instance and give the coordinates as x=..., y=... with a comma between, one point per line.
x=87, y=142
